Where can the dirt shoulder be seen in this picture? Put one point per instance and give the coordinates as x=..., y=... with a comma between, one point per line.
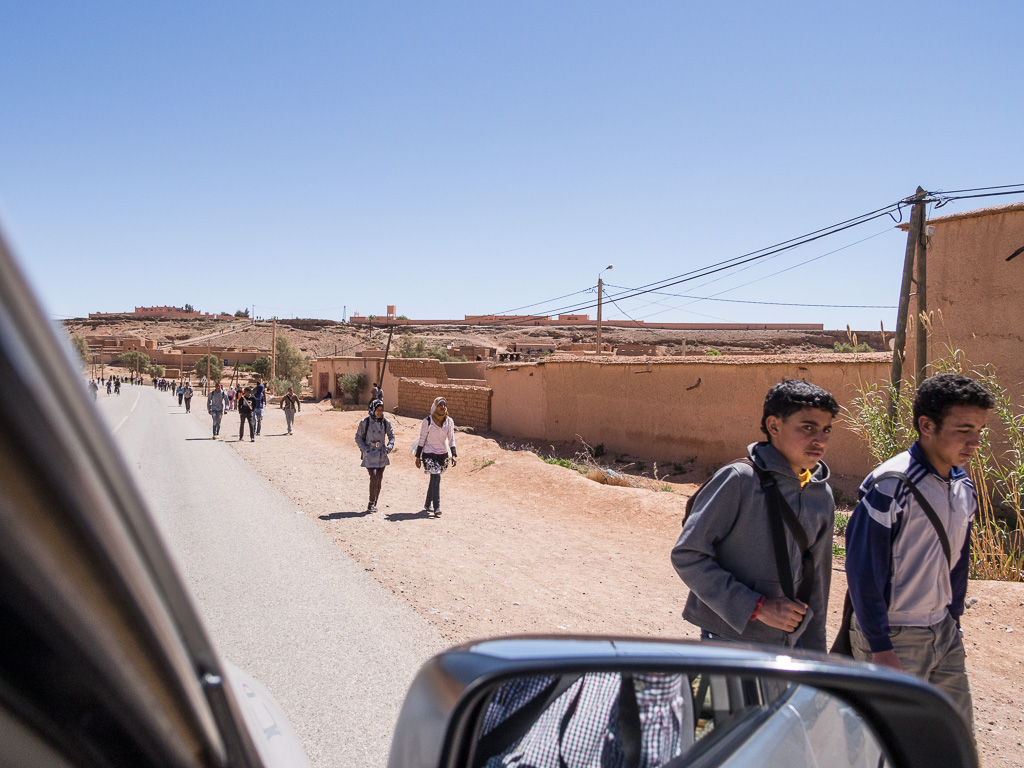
x=524, y=546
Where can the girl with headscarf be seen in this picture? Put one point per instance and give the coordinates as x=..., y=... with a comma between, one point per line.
x=376, y=439
x=437, y=439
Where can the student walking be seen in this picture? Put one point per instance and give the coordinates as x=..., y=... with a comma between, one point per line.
x=245, y=406
x=756, y=545
x=216, y=403
x=259, y=399
x=436, y=442
x=291, y=405
x=188, y=393
x=908, y=542
x=376, y=439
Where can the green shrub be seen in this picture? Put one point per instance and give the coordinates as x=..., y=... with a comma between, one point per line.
x=216, y=367
x=713, y=353
x=842, y=346
x=352, y=384
x=261, y=365
x=136, y=362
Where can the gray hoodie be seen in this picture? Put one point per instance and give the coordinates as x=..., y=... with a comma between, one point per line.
x=217, y=400
x=726, y=557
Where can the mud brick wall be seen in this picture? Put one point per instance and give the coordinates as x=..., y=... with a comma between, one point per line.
x=417, y=368
x=469, y=406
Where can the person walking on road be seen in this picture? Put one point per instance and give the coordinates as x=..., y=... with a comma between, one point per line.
x=290, y=404
x=188, y=393
x=181, y=393
x=259, y=399
x=376, y=439
x=436, y=443
x=216, y=404
x=244, y=403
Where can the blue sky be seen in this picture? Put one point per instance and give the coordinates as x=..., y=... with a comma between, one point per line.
x=458, y=158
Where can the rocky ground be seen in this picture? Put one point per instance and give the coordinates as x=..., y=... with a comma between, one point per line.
x=526, y=546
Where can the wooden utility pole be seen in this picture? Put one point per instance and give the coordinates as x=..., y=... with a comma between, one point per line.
x=206, y=387
x=273, y=356
x=921, y=281
x=900, y=341
x=384, y=366
x=600, y=286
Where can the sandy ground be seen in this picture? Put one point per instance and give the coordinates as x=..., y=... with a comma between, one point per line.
x=524, y=546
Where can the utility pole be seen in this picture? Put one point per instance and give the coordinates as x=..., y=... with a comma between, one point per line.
x=384, y=366
x=206, y=387
x=600, y=293
x=921, y=281
x=273, y=355
x=900, y=341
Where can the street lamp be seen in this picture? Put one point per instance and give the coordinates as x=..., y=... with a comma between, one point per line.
x=600, y=291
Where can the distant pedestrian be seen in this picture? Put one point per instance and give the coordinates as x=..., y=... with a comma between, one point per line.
x=259, y=399
x=110, y=386
x=376, y=439
x=231, y=398
x=94, y=388
x=117, y=387
x=376, y=393
x=188, y=393
x=436, y=443
x=245, y=408
x=216, y=403
x=291, y=405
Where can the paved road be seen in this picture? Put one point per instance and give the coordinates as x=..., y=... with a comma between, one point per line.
x=336, y=649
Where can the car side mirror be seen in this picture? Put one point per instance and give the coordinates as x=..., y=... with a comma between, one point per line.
x=570, y=702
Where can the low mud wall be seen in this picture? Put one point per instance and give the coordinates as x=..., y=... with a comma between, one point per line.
x=674, y=410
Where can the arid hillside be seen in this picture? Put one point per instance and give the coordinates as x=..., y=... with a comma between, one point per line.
x=327, y=337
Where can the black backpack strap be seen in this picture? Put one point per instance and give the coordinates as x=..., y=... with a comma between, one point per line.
x=779, y=513
x=929, y=511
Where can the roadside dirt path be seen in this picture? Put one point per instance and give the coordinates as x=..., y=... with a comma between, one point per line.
x=524, y=546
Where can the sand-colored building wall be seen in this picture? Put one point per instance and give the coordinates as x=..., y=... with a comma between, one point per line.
x=470, y=406
x=336, y=367
x=674, y=410
x=468, y=370
x=978, y=291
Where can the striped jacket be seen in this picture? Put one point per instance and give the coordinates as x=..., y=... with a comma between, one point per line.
x=896, y=569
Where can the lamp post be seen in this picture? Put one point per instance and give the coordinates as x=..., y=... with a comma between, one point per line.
x=600, y=291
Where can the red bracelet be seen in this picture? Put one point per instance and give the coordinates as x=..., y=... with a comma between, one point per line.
x=757, y=608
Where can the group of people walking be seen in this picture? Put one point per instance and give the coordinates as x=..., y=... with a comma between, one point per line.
x=756, y=544
x=434, y=449
x=249, y=402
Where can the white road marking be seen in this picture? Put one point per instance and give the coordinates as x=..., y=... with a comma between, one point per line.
x=121, y=423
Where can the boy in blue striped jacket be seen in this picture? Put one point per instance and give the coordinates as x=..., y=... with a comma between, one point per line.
x=907, y=597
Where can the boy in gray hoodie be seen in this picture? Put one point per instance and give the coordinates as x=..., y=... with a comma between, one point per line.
x=726, y=553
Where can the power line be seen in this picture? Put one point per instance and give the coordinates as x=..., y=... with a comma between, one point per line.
x=781, y=271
